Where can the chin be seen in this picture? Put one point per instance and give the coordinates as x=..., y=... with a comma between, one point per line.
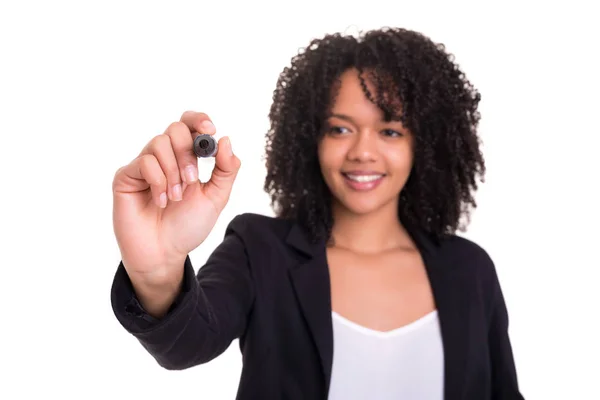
x=362, y=206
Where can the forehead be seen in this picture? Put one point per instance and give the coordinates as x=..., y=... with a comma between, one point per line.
x=366, y=93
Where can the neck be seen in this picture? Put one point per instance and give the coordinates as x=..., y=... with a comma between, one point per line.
x=374, y=232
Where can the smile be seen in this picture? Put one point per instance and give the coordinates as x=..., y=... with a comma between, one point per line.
x=363, y=178
x=363, y=182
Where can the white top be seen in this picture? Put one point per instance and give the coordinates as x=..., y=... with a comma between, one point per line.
x=404, y=363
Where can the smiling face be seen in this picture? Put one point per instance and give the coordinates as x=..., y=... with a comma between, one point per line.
x=365, y=160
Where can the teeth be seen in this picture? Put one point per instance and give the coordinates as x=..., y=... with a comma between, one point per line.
x=363, y=178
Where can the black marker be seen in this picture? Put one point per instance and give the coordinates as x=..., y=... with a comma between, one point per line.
x=205, y=146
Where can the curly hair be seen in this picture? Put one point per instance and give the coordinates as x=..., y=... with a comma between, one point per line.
x=438, y=105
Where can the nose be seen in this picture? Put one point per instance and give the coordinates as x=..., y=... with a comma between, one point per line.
x=363, y=148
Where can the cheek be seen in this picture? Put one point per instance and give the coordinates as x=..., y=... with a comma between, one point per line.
x=330, y=157
x=400, y=160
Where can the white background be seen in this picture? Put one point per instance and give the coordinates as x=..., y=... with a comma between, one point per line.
x=84, y=85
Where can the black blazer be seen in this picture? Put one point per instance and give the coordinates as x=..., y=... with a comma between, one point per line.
x=268, y=286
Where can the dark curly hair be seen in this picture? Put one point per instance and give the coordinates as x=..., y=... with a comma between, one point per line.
x=439, y=106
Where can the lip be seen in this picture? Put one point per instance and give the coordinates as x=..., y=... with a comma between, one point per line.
x=362, y=172
x=362, y=186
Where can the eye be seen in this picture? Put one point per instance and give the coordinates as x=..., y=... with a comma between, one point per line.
x=337, y=130
x=391, y=133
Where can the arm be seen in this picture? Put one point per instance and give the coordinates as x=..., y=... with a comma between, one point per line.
x=504, y=376
x=209, y=312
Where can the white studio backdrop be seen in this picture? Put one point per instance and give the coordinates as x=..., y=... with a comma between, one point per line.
x=84, y=85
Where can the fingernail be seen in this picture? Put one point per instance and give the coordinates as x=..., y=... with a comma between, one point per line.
x=230, y=147
x=209, y=127
x=191, y=174
x=176, y=192
x=163, y=200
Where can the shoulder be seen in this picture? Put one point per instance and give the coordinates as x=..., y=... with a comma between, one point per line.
x=253, y=224
x=267, y=242
x=466, y=251
x=258, y=231
x=469, y=258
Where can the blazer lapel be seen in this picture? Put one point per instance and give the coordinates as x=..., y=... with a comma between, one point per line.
x=310, y=279
x=451, y=291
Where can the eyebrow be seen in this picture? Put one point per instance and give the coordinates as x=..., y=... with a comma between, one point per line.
x=349, y=118
x=342, y=116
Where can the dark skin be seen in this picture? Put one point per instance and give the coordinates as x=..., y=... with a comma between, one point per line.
x=378, y=278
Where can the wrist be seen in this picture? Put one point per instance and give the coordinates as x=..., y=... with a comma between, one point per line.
x=157, y=299
x=160, y=277
x=156, y=291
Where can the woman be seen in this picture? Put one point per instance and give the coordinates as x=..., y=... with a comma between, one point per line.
x=359, y=287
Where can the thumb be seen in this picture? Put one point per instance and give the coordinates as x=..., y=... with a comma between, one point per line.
x=223, y=175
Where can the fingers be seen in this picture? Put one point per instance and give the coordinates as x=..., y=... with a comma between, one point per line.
x=162, y=149
x=152, y=172
x=223, y=176
x=182, y=145
x=198, y=122
x=174, y=151
x=143, y=172
x=226, y=162
x=192, y=123
x=168, y=164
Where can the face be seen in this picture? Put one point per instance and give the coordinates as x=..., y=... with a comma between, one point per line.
x=364, y=160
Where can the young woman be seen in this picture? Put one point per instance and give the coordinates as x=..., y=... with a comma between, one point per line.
x=359, y=288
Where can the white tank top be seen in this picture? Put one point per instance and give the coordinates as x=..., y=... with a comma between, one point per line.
x=405, y=363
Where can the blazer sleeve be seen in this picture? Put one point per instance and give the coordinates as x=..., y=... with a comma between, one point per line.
x=210, y=312
x=504, y=376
